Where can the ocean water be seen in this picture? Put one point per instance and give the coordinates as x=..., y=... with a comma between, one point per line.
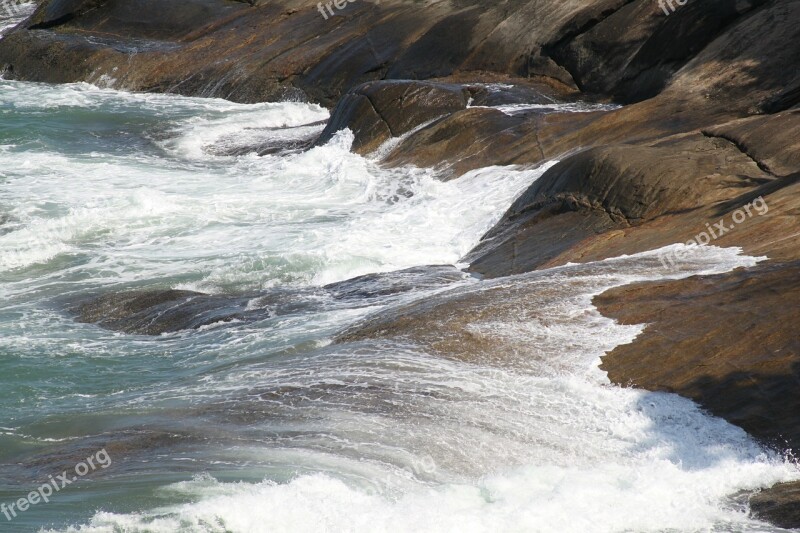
x=269, y=425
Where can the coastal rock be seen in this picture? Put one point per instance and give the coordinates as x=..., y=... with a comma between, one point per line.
x=155, y=312
x=378, y=111
x=779, y=505
x=438, y=129
x=142, y=19
x=772, y=141
x=712, y=126
x=466, y=140
x=633, y=52
x=612, y=188
x=707, y=340
x=732, y=180
x=368, y=288
x=256, y=51
x=467, y=323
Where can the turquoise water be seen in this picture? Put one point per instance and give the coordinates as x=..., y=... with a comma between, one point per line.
x=269, y=426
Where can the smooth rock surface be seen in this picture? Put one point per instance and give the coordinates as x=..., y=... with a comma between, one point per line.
x=707, y=339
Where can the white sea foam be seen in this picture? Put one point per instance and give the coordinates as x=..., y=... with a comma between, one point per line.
x=237, y=222
x=532, y=438
x=553, y=107
x=578, y=107
x=504, y=447
x=656, y=496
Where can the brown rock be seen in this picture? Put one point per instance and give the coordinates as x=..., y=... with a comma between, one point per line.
x=779, y=505
x=254, y=51
x=708, y=339
x=466, y=140
x=378, y=111
x=613, y=187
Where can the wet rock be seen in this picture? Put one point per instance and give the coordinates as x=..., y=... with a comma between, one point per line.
x=255, y=51
x=779, y=505
x=732, y=176
x=5, y=223
x=154, y=312
x=466, y=140
x=446, y=324
x=378, y=111
x=503, y=92
x=55, y=12
x=374, y=286
x=128, y=450
x=611, y=188
x=456, y=127
x=722, y=341
x=270, y=146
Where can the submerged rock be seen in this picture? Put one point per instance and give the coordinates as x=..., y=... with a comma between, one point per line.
x=369, y=287
x=5, y=222
x=154, y=312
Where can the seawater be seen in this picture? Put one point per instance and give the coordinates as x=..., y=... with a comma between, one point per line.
x=269, y=425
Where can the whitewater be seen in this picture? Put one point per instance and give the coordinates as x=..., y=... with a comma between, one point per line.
x=271, y=425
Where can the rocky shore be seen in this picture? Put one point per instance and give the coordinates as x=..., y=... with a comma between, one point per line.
x=705, y=123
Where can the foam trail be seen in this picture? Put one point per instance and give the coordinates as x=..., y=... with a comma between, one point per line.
x=493, y=448
x=232, y=222
x=496, y=420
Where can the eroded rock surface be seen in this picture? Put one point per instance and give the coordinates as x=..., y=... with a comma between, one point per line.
x=619, y=187
x=252, y=51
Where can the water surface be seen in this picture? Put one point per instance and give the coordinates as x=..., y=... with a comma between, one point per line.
x=268, y=425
